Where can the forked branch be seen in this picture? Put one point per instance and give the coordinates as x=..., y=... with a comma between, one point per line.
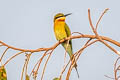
x=48, y=51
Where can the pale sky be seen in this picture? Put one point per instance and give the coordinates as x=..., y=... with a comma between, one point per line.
x=28, y=24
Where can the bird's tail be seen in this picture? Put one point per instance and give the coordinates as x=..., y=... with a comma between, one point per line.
x=75, y=64
x=72, y=57
x=77, y=71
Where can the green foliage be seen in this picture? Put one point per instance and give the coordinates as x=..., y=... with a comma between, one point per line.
x=56, y=79
x=3, y=75
x=27, y=77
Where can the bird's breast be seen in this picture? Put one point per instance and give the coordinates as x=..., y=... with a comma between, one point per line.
x=59, y=30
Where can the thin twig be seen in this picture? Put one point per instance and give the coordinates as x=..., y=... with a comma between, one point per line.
x=87, y=42
x=80, y=51
x=3, y=54
x=97, y=36
x=46, y=64
x=109, y=77
x=23, y=70
x=13, y=57
x=101, y=18
x=38, y=63
x=85, y=46
x=70, y=69
x=77, y=33
x=115, y=70
x=27, y=60
x=1, y=45
x=63, y=70
x=36, y=71
x=90, y=21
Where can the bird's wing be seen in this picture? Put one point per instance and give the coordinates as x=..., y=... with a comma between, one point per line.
x=68, y=32
x=67, y=29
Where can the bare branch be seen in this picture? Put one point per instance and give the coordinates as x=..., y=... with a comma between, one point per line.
x=97, y=36
x=72, y=62
x=27, y=60
x=46, y=64
x=115, y=68
x=101, y=18
x=1, y=45
x=3, y=54
x=76, y=54
x=38, y=63
x=63, y=70
x=109, y=77
x=55, y=45
x=90, y=21
x=12, y=57
x=23, y=70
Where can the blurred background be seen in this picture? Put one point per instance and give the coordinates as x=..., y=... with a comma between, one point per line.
x=28, y=24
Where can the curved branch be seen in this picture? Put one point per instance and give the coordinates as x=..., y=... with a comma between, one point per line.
x=97, y=35
x=46, y=64
x=13, y=57
x=101, y=18
x=3, y=54
x=55, y=45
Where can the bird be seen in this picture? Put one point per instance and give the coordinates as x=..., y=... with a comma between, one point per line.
x=62, y=31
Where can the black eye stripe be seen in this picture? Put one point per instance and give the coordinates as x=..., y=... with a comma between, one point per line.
x=58, y=17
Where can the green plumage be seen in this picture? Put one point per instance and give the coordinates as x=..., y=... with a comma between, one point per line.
x=65, y=45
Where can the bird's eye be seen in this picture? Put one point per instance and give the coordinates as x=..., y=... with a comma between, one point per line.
x=58, y=17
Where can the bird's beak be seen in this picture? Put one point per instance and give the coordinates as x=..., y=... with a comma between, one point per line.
x=68, y=14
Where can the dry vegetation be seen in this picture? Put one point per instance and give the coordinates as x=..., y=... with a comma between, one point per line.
x=48, y=52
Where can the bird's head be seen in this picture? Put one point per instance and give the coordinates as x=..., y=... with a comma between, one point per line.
x=60, y=17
